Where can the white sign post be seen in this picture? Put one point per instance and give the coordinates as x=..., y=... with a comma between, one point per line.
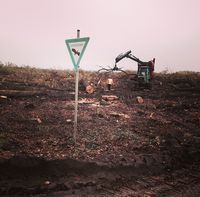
x=76, y=95
x=76, y=48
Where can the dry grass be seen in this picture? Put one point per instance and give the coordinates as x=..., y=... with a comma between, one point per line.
x=61, y=79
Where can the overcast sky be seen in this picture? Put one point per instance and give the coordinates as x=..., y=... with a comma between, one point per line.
x=33, y=32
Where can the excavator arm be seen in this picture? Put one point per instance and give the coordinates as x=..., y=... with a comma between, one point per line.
x=128, y=55
x=122, y=56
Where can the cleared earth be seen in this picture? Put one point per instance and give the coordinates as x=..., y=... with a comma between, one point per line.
x=142, y=143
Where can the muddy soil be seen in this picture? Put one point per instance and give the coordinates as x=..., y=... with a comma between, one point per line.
x=142, y=143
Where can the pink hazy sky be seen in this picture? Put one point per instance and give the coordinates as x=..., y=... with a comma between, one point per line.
x=33, y=32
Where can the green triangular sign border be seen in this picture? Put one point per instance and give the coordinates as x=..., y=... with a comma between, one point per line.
x=69, y=41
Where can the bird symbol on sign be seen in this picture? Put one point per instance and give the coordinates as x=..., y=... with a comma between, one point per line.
x=75, y=52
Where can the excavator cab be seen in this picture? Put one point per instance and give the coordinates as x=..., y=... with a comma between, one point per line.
x=143, y=74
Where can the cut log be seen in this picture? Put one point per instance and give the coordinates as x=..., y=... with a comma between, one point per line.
x=140, y=100
x=89, y=89
x=87, y=86
x=109, y=97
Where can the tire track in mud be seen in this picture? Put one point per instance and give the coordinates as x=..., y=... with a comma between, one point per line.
x=72, y=177
x=66, y=175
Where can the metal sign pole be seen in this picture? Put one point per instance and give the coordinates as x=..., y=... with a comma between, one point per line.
x=76, y=97
x=76, y=48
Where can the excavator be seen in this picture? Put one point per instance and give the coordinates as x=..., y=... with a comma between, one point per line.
x=144, y=73
x=145, y=69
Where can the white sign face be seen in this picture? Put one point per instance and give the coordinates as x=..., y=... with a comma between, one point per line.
x=76, y=48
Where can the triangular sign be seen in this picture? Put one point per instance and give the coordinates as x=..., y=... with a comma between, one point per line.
x=76, y=48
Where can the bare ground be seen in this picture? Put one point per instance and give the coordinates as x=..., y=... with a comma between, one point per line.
x=124, y=148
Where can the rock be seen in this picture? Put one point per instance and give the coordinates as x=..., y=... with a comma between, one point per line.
x=96, y=104
x=86, y=101
x=47, y=182
x=3, y=97
x=126, y=116
x=69, y=121
x=140, y=100
x=151, y=115
x=37, y=119
x=115, y=114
